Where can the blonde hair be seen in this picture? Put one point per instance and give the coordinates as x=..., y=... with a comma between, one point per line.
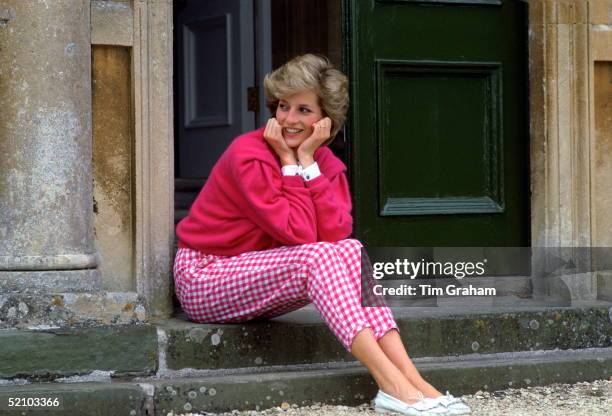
x=316, y=73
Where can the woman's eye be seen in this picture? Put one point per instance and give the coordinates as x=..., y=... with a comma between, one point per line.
x=304, y=110
x=283, y=106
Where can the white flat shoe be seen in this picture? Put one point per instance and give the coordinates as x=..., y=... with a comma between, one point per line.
x=453, y=404
x=384, y=403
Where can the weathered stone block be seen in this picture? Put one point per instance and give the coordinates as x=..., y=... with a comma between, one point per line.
x=600, y=12
x=60, y=352
x=571, y=11
x=112, y=22
x=78, y=399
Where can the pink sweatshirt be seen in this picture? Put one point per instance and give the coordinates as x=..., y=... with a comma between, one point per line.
x=247, y=204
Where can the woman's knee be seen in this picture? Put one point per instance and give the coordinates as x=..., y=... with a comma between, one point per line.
x=321, y=258
x=350, y=244
x=319, y=250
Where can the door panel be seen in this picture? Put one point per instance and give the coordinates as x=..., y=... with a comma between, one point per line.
x=450, y=101
x=215, y=66
x=439, y=123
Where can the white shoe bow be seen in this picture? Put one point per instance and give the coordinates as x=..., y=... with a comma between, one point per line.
x=453, y=404
x=385, y=403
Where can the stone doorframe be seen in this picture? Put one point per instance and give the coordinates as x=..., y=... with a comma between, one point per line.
x=566, y=38
x=154, y=134
x=568, y=202
x=146, y=27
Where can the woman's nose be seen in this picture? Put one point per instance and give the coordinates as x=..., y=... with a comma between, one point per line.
x=292, y=116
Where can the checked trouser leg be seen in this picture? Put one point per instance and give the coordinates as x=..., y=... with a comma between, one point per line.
x=269, y=283
x=380, y=317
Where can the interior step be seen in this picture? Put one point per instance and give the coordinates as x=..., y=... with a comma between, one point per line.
x=185, y=192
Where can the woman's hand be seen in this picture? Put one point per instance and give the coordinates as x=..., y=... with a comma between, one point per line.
x=321, y=131
x=273, y=135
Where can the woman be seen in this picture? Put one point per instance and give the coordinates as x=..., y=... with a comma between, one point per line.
x=269, y=232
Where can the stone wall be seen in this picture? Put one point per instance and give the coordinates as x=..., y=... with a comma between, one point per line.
x=86, y=226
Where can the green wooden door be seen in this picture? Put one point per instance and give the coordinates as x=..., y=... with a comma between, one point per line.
x=439, y=149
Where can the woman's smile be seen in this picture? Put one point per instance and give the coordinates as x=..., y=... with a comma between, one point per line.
x=289, y=132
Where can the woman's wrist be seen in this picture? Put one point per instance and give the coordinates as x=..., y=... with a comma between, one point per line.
x=305, y=160
x=288, y=160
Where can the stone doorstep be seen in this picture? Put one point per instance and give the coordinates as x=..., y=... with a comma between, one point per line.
x=347, y=386
x=299, y=339
x=302, y=338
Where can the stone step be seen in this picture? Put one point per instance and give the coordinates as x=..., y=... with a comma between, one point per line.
x=82, y=399
x=353, y=385
x=347, y=384
x=302, y=337
x=43, y=353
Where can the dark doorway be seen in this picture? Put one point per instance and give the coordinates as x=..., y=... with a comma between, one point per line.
x=222, y=51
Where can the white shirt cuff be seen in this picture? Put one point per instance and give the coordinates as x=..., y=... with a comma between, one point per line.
x=311, y=172
x=290, y=170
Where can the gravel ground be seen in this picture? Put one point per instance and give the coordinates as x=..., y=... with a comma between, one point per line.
x=588, y=399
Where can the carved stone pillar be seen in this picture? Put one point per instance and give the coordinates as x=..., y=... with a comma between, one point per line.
x=46, y=232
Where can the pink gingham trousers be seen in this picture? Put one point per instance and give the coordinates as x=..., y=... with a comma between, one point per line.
x=269, y=283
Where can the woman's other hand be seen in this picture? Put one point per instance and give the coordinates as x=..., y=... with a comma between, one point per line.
x=321, y=131
x=273, y=135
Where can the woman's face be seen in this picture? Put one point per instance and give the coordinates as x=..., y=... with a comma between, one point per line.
x=296, y=114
